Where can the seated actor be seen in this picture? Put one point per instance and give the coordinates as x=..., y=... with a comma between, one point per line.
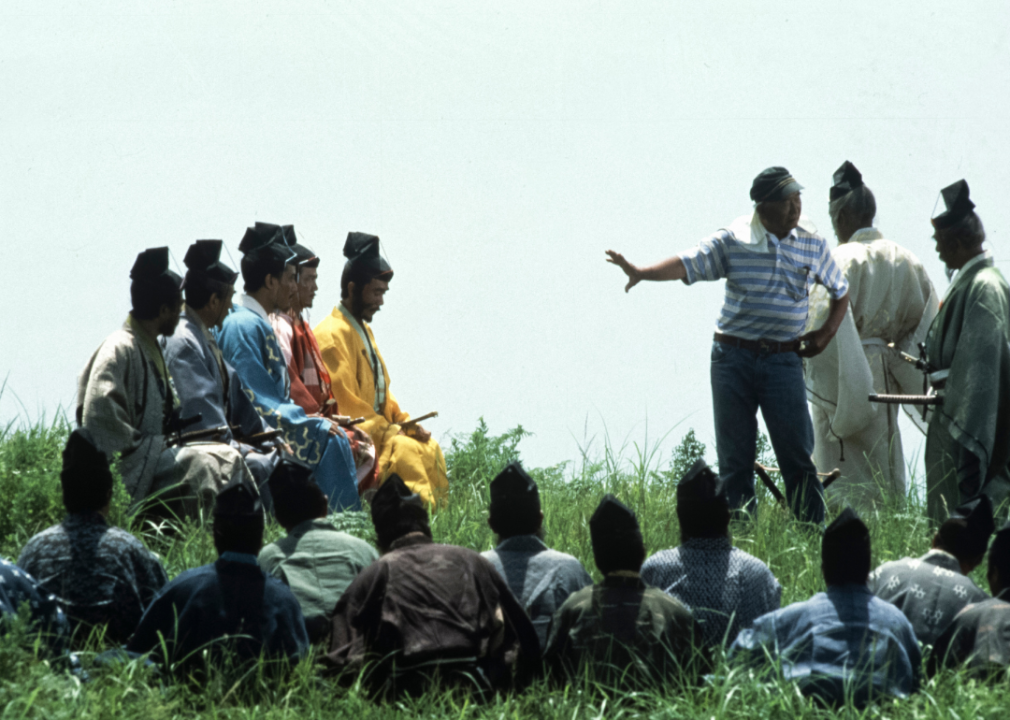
x=230, y=607
x=979, y=636
x=315, y=560
x=540, y=578
x=103, y=576
x=310, y=382
x=249, y=344
x=126, y=399
x=726, y=588
x=424, y=611
x=207, y=386
x=18, y=588
x=631, y=634
x=932, y=589
x=359, y=378
x=843, y=643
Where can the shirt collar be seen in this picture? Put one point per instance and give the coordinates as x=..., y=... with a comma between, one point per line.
x=941, y=558
x=867, y=234
x=522, y=543
x=409, y=540
x=984, y=257
x=709, y=543
x=92, y=517
x=313, y=524
x=619, y=581
x=230, y=556
x=251, y=303
x=350, y=318
x=854, y=588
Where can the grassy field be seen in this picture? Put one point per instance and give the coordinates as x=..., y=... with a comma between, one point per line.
x=644, y=477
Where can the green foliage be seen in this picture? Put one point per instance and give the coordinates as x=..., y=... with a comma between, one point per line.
x=30, y=687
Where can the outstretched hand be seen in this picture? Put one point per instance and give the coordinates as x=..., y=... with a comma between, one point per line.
x=634, y=276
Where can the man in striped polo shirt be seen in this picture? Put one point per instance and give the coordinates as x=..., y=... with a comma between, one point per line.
x=768, y=261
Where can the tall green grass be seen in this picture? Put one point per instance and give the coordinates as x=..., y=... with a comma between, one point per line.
x=642, y=475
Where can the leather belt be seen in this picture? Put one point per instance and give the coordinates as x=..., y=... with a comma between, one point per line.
x=758, y=346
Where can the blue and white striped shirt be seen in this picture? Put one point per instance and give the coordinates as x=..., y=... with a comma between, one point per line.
x=767, y=282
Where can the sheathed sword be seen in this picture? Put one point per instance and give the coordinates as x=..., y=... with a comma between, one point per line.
x=763, y=473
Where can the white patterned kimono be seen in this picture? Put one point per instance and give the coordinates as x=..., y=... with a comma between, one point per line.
x=891, y=300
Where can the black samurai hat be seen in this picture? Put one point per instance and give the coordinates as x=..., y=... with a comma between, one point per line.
x=152, y=264
x=847, y=178
x=397, y=511
x=956, y=199
x=979, y=525
x=700, y=486
x=616, y=536
x=204, y=259
x=515, y=502
x=268, y=239
x=364, y=262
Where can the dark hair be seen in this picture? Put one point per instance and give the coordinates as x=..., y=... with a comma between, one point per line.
x=353, y=274
x=999, y=558
x=953, y=536
x=200, y=288
x=967, y=232
x=846, y=559
x=242, y=534
x=859, y=204
x=256, y=267
x=148, y=296
x=703, y=519
x=296, y=496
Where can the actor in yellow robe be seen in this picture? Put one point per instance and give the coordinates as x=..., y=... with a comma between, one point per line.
x=360, y=381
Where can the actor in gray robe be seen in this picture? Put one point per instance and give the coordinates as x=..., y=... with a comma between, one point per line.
x=206, y=384
x=932, y=589
x=968, y=346
x=125, y=398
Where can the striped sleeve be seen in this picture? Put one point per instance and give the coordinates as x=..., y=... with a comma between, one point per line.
x=829, y=274
x=707, y=261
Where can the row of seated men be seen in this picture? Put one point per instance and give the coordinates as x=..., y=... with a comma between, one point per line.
x=495, y=620
x=201, y=394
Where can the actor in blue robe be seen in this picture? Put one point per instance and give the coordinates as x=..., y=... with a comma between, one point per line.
x=248, y=343
x=231, y=607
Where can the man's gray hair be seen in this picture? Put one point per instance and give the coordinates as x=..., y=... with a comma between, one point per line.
x=858, y=204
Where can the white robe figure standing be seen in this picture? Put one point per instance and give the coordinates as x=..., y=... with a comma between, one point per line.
x=891, y=301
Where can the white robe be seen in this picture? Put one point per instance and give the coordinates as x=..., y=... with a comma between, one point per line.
x=122, y=402
x=891, y=300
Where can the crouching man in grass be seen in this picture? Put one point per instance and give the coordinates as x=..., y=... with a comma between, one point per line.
x=979, y=637
x=624, y=632
x=230, y=606
x=424, y=613
x=317, y=561
x=726, y=588
x=842, y=644
x=932, y=589
x=540, y=578
x=103, y=576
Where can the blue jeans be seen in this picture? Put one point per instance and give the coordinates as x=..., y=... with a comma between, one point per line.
x=742, y=382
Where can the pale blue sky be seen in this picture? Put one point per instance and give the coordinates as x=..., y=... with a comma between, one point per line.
x=497, y=149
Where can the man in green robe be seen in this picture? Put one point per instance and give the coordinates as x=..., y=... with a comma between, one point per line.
x=968, y=345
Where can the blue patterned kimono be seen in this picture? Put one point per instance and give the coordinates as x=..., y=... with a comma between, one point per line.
x=249, y=345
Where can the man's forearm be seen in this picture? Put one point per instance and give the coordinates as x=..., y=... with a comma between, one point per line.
x=836, y=313
x=671, y=269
